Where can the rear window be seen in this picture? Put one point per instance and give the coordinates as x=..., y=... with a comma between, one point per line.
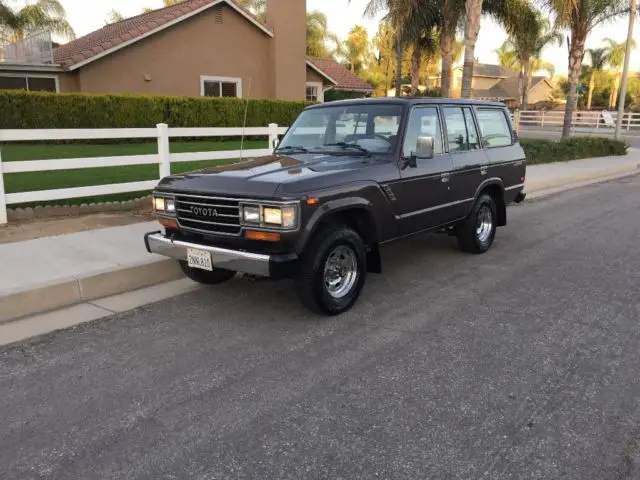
x=494, y=127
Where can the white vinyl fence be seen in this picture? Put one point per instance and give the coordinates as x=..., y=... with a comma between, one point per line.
x=581, y=119
x=163, y=158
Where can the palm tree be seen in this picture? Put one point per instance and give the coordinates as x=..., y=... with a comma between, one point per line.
x=318, y=35
x=529, y=41
x=356, y=48
x=513, y=15
x=257, y=7
x=614, y=54
x=33, y=17
x=114, y=16
x=424, y=46
x=580, y=17
x=598, y=58
x=507, y=56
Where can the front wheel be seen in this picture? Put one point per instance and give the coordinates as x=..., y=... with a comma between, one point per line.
x=332, y=271
x=477, y=232
x=218, y=275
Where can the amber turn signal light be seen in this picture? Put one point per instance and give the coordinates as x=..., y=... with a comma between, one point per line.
x=264, y=236
x=168, y=222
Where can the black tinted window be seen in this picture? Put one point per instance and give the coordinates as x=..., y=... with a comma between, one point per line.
x=494, y=127
x=423, y=122
x=456, y=129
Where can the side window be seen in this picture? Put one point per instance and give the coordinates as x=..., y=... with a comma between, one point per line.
x=494, y=127
x=423, y=122
x=472, y=131
x=456, y=129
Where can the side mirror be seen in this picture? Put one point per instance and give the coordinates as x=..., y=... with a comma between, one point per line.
x=424, y=147
x=276, y=141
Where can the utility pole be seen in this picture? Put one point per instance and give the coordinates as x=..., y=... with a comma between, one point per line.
x=625, y=71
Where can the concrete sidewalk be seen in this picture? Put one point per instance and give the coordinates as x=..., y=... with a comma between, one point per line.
x=52, y=272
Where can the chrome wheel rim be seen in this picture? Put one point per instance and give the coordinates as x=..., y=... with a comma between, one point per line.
x=340, y=271
x=484, y=223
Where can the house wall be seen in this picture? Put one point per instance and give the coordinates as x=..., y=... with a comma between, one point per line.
x=288, y=18
x=540, y=93
x=313, y=76
x=69, y=82
x=484, y=83
x=218, y=42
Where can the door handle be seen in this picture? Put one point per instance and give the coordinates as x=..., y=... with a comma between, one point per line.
x=445, y=177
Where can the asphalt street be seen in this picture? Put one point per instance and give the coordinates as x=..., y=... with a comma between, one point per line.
x=520, y=363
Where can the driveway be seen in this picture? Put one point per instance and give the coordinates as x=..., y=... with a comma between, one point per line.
x=520, y=363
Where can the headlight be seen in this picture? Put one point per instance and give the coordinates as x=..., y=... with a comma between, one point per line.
x=251, y=214
x=164, y=205
x=270, y=216
x=281, y=216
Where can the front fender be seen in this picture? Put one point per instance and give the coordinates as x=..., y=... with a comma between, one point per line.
x=331, y=207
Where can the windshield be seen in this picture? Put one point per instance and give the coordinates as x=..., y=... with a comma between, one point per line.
x=359, y=129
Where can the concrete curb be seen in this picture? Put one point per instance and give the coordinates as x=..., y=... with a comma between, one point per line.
x=543, y=192
x=73, y=290
x=567, y=181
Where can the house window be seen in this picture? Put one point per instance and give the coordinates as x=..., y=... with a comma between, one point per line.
x=314, y=92
x=29, y=83
x=220, y=87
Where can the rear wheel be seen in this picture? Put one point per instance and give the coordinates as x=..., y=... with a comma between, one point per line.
x=476, y=232
x=218, y=275
x=332, y=270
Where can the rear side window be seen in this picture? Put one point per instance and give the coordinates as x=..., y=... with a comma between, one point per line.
x=457, y=135
x=494, y=127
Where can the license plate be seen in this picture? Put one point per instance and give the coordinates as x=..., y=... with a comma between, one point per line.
x=199, y=259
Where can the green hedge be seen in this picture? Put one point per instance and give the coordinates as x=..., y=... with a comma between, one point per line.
x=63, y=110
x=547, y=151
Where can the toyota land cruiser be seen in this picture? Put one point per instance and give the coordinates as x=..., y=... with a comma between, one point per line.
x=347, y=178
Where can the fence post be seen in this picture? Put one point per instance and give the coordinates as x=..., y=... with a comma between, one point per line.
x=163, y=150
x=3, y=200
x=542, y=121
x=273, y=135
x=629, y=116
x=516, y=120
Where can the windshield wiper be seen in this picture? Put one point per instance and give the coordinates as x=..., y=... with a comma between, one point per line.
x=293, y=147
x=347, y=145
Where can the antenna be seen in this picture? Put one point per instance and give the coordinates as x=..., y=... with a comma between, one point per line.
x=244, y=124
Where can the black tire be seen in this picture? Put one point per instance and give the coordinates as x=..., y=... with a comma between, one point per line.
x=334, y=241
x=474, y=237
x=218, y=275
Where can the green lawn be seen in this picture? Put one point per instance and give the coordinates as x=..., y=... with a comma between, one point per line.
x=33, y=181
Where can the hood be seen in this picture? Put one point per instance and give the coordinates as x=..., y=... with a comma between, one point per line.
x=261, y=177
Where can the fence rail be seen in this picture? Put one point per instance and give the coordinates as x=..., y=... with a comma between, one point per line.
x=602, y=121
x=164, y=158
x=580, y=119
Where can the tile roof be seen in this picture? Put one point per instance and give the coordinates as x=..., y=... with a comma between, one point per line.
x=506, y=89
x=490, y=70
x=346, y=79
x=114, y=34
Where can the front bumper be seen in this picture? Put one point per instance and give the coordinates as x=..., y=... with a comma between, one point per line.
x=274, y=266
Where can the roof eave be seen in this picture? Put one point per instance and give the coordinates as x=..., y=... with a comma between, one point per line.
x=319, y=71
x=175, y=21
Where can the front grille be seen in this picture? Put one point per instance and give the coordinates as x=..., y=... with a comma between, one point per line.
x=218, y=216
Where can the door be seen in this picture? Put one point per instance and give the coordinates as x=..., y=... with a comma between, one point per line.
x=468, y=157
x=423, y=193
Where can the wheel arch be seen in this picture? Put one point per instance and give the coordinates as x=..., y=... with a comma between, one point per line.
x=495, y=188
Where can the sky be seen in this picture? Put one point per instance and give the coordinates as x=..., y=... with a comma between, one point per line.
x=88, y=15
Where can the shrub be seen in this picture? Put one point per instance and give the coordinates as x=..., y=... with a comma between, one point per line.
x=547, y=151
x=61, y=110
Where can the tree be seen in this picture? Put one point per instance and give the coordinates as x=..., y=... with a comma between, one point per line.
x=356, y=48
x=614, y=53
x=384, y=44
x=529, y=41
x=598, y=58
x=318, y=35
x=580, y=17
x=114, y=16
x=507, y=56
x=257, y=7
x=34, y=16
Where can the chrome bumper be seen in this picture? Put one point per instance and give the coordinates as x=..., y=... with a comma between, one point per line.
x=243, y=262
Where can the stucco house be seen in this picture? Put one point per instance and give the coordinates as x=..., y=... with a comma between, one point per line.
x=494, y=82
x=194, y=48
